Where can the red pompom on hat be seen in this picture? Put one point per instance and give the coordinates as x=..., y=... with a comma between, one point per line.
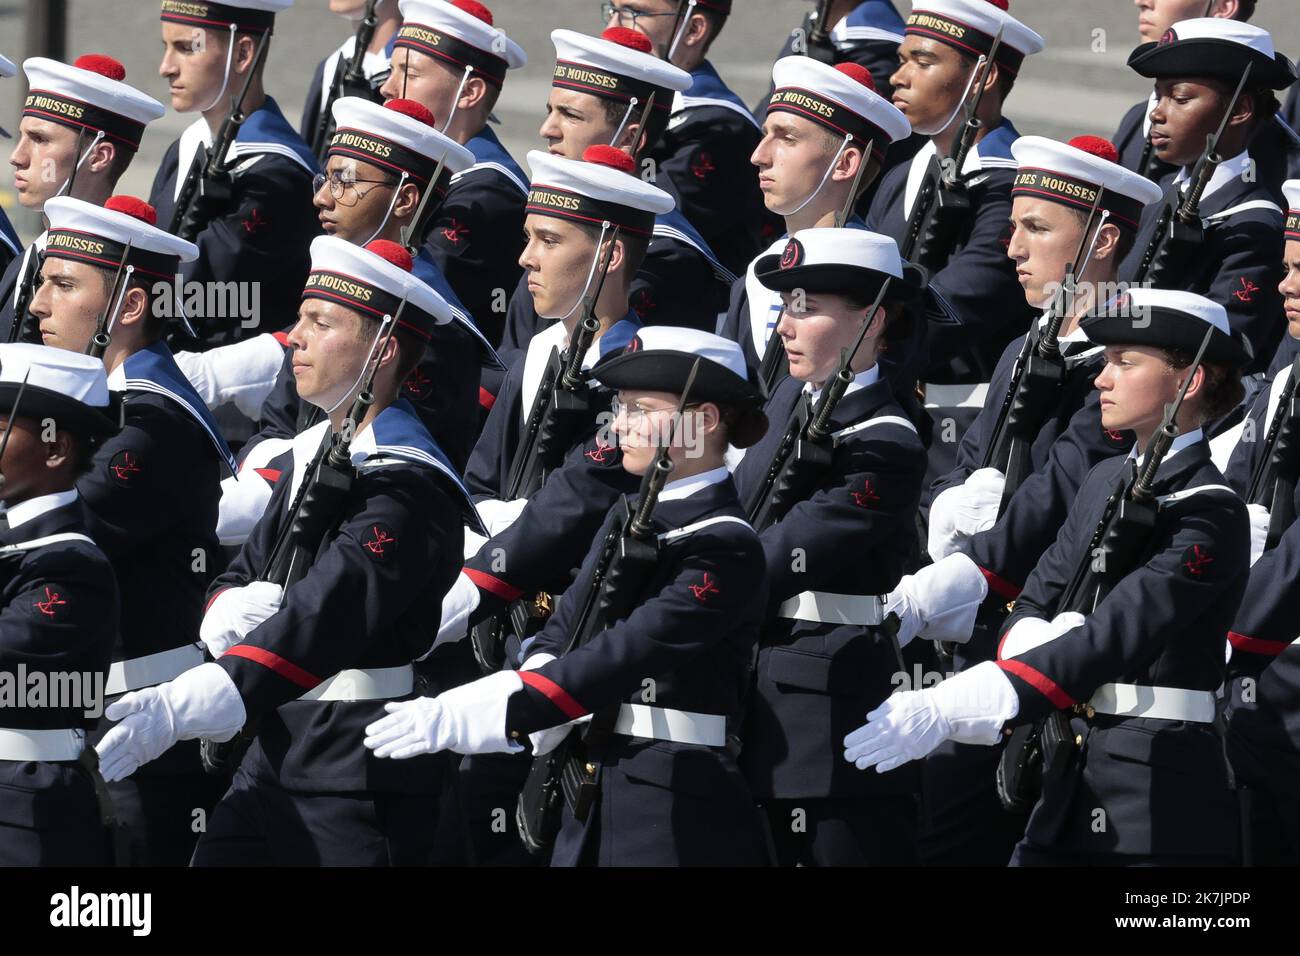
x=628, y=38
x=1101, y=148
x=474, y=9
x=417, y=111
x=391, y=252
x=133, y=207
x=856, y=71
x=609, y=156
x=101, y=64
x=1000, y=4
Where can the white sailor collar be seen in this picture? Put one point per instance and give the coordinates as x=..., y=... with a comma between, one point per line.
x=685, y=487
x=860, y=381
x=1227, y=171
x=32, y=508
x=1179, y=443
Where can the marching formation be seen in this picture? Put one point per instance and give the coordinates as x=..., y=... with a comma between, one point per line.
x=849, y=480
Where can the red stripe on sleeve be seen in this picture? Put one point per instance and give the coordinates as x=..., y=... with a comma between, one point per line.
x=286, y=669
x=1035, y=679
x=272, y=475
x=556, y=694
x=1000, y=586
x=282, y=338
x=486, y=582
x=486, y=399
x=213, y=598
x=1256, y=645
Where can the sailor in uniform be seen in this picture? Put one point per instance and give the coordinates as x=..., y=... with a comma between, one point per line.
x=1197, y=65
x=303, y=661
x=10, y=245
x=976, y=527
x=600, y=90
x=252, y=227
x=449, y=57
x=152, y=489
x=824, y=659
x=376, y=61
x=58, y=608
x=663, y=676
x=942, y=42
x=1126, y=660
x=80, y=128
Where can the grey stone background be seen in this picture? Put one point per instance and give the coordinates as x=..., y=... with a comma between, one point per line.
x=1079, y=84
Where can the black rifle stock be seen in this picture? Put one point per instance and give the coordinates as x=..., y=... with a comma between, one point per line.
x=349, y=77
x=1273, y=481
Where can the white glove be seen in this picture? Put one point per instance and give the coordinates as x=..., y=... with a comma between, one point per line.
x=470, y=719
x=964, y=510
x=1030, y=632
x=1259, y=518
x=243, y=373
x=236, y=612
x=940, y=600
x=457, y=605
x=498, y=515
x=544, y=741
x=244, y=496
x=202, y=702
x=473, y=542
x=970, y=708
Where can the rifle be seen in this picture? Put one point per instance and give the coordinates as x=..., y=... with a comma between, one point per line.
x=348, y=80
x=570, y=774
x=773, y=363
x=1273, y=482
x=562, y=406
x=99, y=341
x=214, y=168
x=27, y=284
x=634, y=152
x=412, y=234
x=821, y=22
x=9, y=420
x=314, y=511
x=805, y=448
x=1037, y=376
x=1179, y=229
x=942, y=201
x=1117, y=545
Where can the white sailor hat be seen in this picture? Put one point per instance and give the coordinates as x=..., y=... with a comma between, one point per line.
x=68, y=387
x=1217, y=48
x=98, y=236
x=617, y=65
x=660, y=358
x=839, y=262
x=1070, y=174
x=401, y=136
x=1291, y=190
x=461, y=34
x=842, y=99
x=598, y=188
x=249, y=16
x=970, y=26
x=373, y=280
x=1169, y=319
x=90, y=95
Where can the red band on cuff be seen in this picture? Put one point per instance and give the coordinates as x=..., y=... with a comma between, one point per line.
x=286, y=669
x=272, y=475
x=1035, y=679
x=486, y=582
x=486, y=399
x=213, y=598
x=1256, y=645
x=556, y=694
x=1000, y=586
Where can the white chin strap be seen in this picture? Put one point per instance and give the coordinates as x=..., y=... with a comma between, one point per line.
x=379, y=337
x=85, y=153
x=225, y=79
x=962, y=102
x=117, y=302
x=681, y=29
x=825, y=176
x=455, y=100
x=391, y=203
x=591, y=273
x=627, y=115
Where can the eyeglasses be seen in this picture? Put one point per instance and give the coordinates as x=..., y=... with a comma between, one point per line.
x=628, y=18
x=340, y=187
x=636, y=416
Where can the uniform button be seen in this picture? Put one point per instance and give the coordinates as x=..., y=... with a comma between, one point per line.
x=1078, y=740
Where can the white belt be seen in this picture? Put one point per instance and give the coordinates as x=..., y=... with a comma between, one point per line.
x=378, y=683
x=956, y=396
x=151, y=669
x=677, y=726
x=41, y=744
x=1162, y=703
x=822, y=607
